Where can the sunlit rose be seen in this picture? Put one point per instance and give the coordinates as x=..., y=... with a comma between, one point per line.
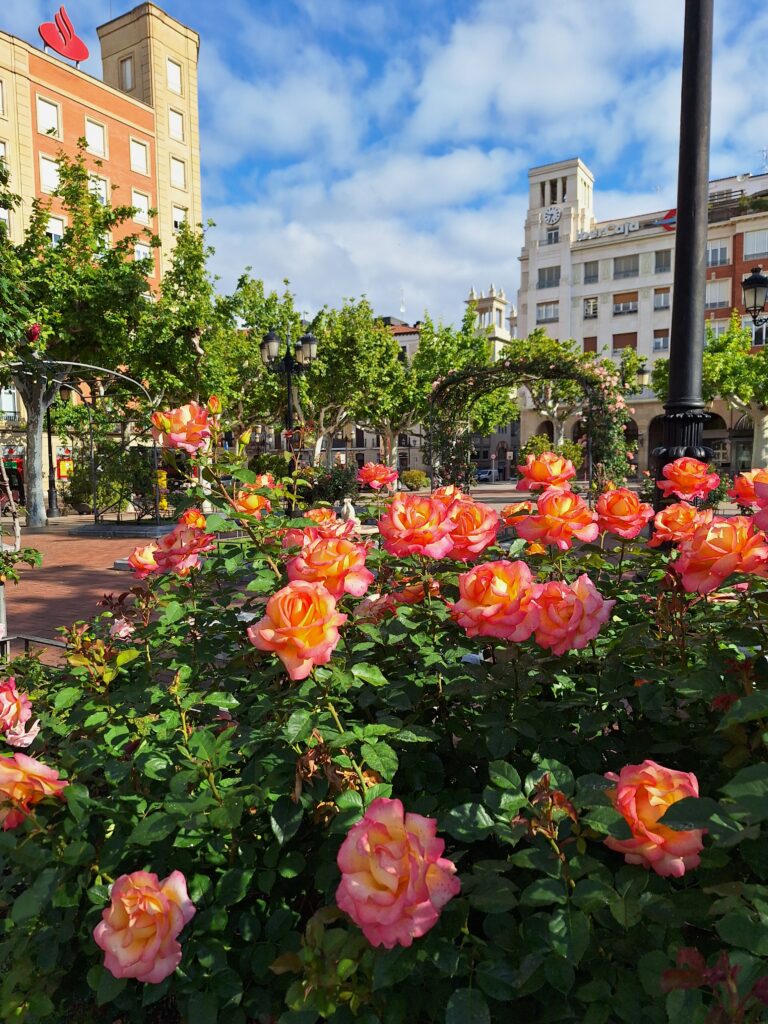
x=448, y=494
x=477, y=526
x=179, y=551
x=544, y=471
x=394, y=878
x=415, y=524
x=561, y=516
x=327, y=524
x=743, y=490
x=621, y=512
x=139, y=930
x=192, y=517
x=376, y=475
x=15, y=707
x=688, y=479
x=677, y=522
x=337, y=563
x=643, y=794
x=719, y=548
x=249, y=502
x=301, y=626
x=142, y=561
x=121, y=629
x=512, y=513
x=186, y=428
x=497, y=599
x=570, y=614
x=24, y=782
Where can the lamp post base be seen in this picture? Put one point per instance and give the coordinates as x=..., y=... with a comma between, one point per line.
x=683, y=439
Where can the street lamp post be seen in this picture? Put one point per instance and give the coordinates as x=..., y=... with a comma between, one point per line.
x=292, y=363
x=684, y=409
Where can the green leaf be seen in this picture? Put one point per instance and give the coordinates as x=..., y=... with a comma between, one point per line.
x=285, y=819
x=543, y=892
x=108, y=988
x=233, y=886
x=748, y=709
x=220, y=699
x=504, y=775
x=740, y=929
x=467, y=822
x=369, y=674
x=690, y=813
x=203, y=1006
x=607, y=821
x=467, y=1006
x=126, y=657
x=32, y=901
x=381, y=758
x=749, y=789
x=298, y=727
x=569, y=933
x=152, y=829
x=560, y=775
x=172, y=612
x=67, y=697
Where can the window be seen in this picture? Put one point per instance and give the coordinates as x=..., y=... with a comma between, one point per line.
x=663, y=261
x=715, y=328
x=176, y=125
x=126, y=74
x=591, y=271
x=624, y=302
x=141, y=251
x=174, y=76
x=718, y=294
x=96, y=137
x=627, y=340
x=49, y=174
x=590, y=308
x=547, y=312
x=717, y=253
x=139, y=157
x=498, y=318
x=8, y=404
x=661, y=340
x=141, y=202
x=590, y=344
x=178, y=173
x=553, y=237
x=626, y=266
x=48, y=117
x=99, y=188
x=2, y=97
x=661, y=298
x=720, y=454
x=755, y=243
x=179, y=216
x=55, y=230
x=758, y=333
x=5, y=219
x=3, y=151
x=549, y=277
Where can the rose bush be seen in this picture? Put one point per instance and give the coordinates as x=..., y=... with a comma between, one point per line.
x=496, y=785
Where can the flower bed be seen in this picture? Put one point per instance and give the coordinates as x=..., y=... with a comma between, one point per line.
x=434, y=780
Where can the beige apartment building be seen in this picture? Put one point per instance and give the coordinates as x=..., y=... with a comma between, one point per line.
x=608, y=284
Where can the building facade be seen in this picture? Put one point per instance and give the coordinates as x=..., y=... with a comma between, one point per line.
x=608, y=284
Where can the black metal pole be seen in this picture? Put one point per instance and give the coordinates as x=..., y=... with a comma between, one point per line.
x=53, y=498
x=684, y=408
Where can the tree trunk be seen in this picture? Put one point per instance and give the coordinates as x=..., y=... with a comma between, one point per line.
x=317, y=449
x=558, y=431
x=329, y=453
x=759, y=416
x=389, y=448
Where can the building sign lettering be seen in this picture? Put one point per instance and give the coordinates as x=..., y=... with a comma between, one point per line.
x=667, y=222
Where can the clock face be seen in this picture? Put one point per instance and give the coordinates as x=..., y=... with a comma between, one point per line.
x=552, y=215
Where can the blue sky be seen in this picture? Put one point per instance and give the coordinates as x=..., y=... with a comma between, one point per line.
x=382, y=148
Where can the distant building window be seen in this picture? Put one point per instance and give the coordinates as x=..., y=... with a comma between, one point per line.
x=178, y=173
x=498, y=318
x=591, y=271
x=141, y=251
x=717, y=327
x=624, y=302
x=590, y=344
x=49, y=174
x=663, y=261
x=126, y=74
x=661, y=298
x=48, y=117
x=179, y=216
x=626, y=266
x=758, y=333
x=2, y=97
x=174, y=76
x=549, y=277
x=661, y=340
x=755, y=243
x=176, y=125
x=553, y=237
x=590, y=308
x=3, y=151
x=547, y=312
x=95, y=137
x=139, y=157
x=99, y=188
x=717, y=253
x=5, y=219
x=718, y=295
x=55, y=230
x=626, y=340
x=141, y=202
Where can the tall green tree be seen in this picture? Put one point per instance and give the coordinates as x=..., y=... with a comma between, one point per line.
x=74, y=302
x=733, y=372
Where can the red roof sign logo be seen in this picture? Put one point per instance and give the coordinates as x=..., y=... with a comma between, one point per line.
x=60, y=36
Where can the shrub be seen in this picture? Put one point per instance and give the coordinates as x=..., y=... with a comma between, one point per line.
x=190, y=747
x=538, y=443
x=414, y=479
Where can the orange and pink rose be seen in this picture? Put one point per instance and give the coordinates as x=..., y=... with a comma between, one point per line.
x=376, y=475
x=186, y=428
x=570, y=614
x=477, y=527
x=743, y=490
x=719, y=548
x=677, y=522
x=541, y=472
x=24, y=782
x=337, y=563
x=643, y=794
x=560, y=516
x=414, y=524
x=301, y=626
x=687, y=478
x=497, y=599
x=142, y=561
x=620, y=511
x=249, y=502
x=179, y=551
x=192, y=517
x=327, y=523
x=139, y=930
x=394, y=878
